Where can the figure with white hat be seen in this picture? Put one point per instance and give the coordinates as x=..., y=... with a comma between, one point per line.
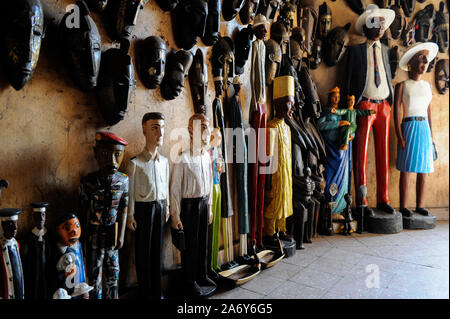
x=258, y=120
x=414, y=130
x=11, y=273
x=369, y=79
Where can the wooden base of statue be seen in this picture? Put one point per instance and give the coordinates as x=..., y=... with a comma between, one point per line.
x=338, y=226
x=383, y=223
x=289, y=247
x=418, y=221
x=241, y=274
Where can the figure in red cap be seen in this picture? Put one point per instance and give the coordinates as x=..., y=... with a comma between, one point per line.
x=104, y=205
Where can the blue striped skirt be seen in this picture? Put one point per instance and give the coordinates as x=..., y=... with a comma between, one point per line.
x=417, y=156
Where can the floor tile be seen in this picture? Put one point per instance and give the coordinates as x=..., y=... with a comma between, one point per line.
x=283, y=270
x=238, y=293
x=301, y=258
x=291, y=290
x=316, y=279
x=263, y=284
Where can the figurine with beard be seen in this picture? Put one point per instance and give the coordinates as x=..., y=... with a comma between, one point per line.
x=23, y=30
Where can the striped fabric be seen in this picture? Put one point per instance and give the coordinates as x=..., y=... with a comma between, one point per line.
x=417, y=156
x=375, y=63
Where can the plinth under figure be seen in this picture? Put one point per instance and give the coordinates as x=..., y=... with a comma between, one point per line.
x=69, y=263
x=35, y=252
x=11, y=273
x=104, y=205
x=191, y=197
x=278, y=195
x=148, y=211
x=415, y=135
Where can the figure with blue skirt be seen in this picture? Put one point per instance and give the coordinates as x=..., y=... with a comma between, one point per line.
x=414, y=129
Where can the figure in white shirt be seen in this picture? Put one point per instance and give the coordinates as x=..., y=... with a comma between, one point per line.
x=190, y=206
x=148, y=174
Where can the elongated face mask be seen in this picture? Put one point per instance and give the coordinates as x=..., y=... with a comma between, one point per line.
x=178, y=64
x=243, y=44
x=397, y=25
x=408, y=7
x=23, y=28
x=198, y=82
x=152, y=62
x=307, y=19
x=230, y=8
x=248, y=11
x=324, y=20
x=296, y=46
x=82, y=47
x=287, y=15
x=393, y=60
x=222, y=60
x=127, y=13
x=424, y=23
x=273, y=60
x=441, y=29
x=189, y=22
x=269, y=8
x=116, y=83
x=408, y=33
x=212, y=29
x=336, y=44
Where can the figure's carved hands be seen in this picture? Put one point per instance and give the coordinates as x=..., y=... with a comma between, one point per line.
x=401, y=142
x=131, y=223
x=344, y=123
x=119, y=243
x=176, y=223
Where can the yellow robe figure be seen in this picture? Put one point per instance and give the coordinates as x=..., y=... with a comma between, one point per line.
x=279, y=198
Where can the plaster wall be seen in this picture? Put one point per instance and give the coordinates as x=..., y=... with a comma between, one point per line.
x=47, y=129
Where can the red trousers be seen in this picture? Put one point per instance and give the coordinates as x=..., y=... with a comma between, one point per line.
x=380, y=122
x=258, y=120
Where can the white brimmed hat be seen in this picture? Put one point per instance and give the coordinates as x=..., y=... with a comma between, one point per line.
x=61, y=294
x=372, y=11
x=81, y=289
x=430, y=46
x=260, y=19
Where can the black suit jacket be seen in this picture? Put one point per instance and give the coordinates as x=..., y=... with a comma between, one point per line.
x=357, y=71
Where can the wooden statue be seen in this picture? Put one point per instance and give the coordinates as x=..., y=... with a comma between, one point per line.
x=104, y=204
x=148, y=211
x=414, y=131
x=191, y=206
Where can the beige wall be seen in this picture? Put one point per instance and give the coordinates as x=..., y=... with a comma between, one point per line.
x=47, y=129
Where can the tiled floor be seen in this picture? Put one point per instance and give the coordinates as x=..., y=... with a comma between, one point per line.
x=412, y=264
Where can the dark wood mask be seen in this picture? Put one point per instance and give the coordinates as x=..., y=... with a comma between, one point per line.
x=325, y=20
x=178, y=64
x=269, y=8
x=81, y=48
x=126, y=13
x=408, y=7
x=151, y=62
x=424, y=23
x=243, y=42
x=230, y=8
x=273, y=60
x=408, y=33
x=23, y=30
x=116, y=83
x=442, y=76
x=393, y=60
x=336, y=44
x=97, y=5
x=440, y=34
x=384, y=3
x=222, y=60
x=212, y=29
x=356, y=5
x=287, y=14
x=189, y=22
x=248, y=11
x=167, y=5
x=296, y=47
x=315, y=58
x=198, y=82
x=397, y=25
x=307, y=19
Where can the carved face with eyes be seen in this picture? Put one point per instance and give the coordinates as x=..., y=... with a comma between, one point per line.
x=153, y=63
x=419, y=63
x=69, y=231
x=22, y=34
x=109, y=156
x=82, y=48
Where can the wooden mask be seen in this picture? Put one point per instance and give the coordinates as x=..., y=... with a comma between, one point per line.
x=442, y=76
x=23, y=30
x=198, y=82
x=243, y=45
x=230, y=8
x=336, y=44
x=248, y=11
x=178, y=64
x=212, y=29
x=152, y=61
